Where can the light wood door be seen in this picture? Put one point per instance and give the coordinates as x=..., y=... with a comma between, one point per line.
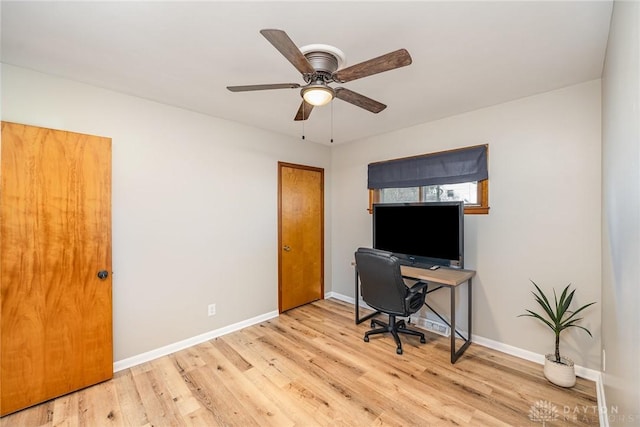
x=55, y=226
x=301, y=235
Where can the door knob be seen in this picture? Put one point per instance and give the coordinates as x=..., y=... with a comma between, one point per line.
x=286, y=248
x=103, y=274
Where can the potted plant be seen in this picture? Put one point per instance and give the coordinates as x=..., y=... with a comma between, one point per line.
x=558, y=369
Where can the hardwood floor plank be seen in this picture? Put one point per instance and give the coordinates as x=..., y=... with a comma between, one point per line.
x=408, y=409
x=132, y=410
x=259, y=359
x=240, y=388
x=171, y=374
x=160, y=407
x=213, y=397
x=39, y=415
x=481, y=418
x=311, y=367
x=312, y=382
x=296, y=409
x=98, y=406
x=65, y=411
x=187, y=360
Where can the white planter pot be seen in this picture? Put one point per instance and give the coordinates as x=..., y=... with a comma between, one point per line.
x=562, y=374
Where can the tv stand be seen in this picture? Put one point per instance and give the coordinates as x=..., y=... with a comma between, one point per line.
x=444, y=277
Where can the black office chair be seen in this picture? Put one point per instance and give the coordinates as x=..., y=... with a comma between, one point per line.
x=383, y=289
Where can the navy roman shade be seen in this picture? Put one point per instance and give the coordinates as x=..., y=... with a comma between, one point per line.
x=447, y=167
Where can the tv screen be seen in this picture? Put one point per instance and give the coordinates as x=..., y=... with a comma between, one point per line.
x=421, y=233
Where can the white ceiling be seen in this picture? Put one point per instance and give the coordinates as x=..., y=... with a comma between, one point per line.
x=466, y=55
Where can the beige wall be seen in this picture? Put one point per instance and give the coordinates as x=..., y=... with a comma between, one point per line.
x=621, y=215
x=194, y=206
x=544, y=223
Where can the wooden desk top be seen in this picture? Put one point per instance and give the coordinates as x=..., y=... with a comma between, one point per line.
x=443, y=275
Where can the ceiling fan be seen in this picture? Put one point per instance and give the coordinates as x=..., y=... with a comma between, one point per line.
x=319, y=65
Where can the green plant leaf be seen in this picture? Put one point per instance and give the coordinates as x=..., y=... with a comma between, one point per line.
x=578, y=311
x=584, y=329
x=557, y=312
x=537, y=316
x=541, y=298
x=565, y=302
x=573, y=325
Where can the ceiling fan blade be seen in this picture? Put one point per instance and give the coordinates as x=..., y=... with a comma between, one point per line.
x=281, y=41
x=263, y=87
x=390, y=61
x=304, y=111
x=359, y=100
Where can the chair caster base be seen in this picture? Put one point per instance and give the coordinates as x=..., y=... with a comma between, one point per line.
x=395, y=329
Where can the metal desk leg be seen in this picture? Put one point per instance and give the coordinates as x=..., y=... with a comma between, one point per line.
x=357, y=302
x=467, y=341
x=470, y=283
x=453, y=325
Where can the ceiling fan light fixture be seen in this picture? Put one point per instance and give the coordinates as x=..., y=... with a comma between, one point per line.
x=318, y=95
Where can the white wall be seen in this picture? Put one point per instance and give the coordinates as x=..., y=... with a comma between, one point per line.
x=544, y=222
x=194, y=206
x=621, y=215
x=183, y=237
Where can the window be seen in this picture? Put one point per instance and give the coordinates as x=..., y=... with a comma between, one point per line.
x=447, y=176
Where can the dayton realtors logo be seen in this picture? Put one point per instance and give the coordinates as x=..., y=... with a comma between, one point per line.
x=543, y=411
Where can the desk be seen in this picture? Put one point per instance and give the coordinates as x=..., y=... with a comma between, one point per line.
x=444, y=278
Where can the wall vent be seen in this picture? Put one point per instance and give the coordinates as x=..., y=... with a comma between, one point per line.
x=431, y=325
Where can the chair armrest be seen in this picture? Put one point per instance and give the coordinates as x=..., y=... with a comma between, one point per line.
x=415, y=297
x=418, y=287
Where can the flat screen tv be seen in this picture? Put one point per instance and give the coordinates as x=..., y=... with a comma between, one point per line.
x=421, y=234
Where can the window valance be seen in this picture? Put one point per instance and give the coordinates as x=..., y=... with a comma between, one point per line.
x=447, y=167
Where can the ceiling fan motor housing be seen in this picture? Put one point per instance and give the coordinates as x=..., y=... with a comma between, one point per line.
x=323, y=62
x=324, y=59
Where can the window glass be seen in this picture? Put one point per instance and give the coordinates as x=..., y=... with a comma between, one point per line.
x=466, y=192
x=399, y=195
x=473, y=194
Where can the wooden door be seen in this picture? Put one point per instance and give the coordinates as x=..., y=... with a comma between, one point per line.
x=300, y=235
x=55, y=226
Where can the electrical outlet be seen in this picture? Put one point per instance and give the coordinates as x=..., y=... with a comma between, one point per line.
x=211, y=310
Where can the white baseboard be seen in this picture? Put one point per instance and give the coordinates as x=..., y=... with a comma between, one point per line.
x=340, y=297
x=602, y=402
x=581, y=371
x=347, y=299
x=189, y=342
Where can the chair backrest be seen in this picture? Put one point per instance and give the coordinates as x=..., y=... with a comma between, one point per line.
x=381, y=283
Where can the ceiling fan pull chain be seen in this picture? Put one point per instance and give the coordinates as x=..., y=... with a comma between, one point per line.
x=332, y=122
x=303, y=115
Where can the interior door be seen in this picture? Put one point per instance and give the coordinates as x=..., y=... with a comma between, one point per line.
x=300, y=235
x=55, y=223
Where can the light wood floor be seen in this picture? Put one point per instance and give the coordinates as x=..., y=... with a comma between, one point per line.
x=311, y=367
